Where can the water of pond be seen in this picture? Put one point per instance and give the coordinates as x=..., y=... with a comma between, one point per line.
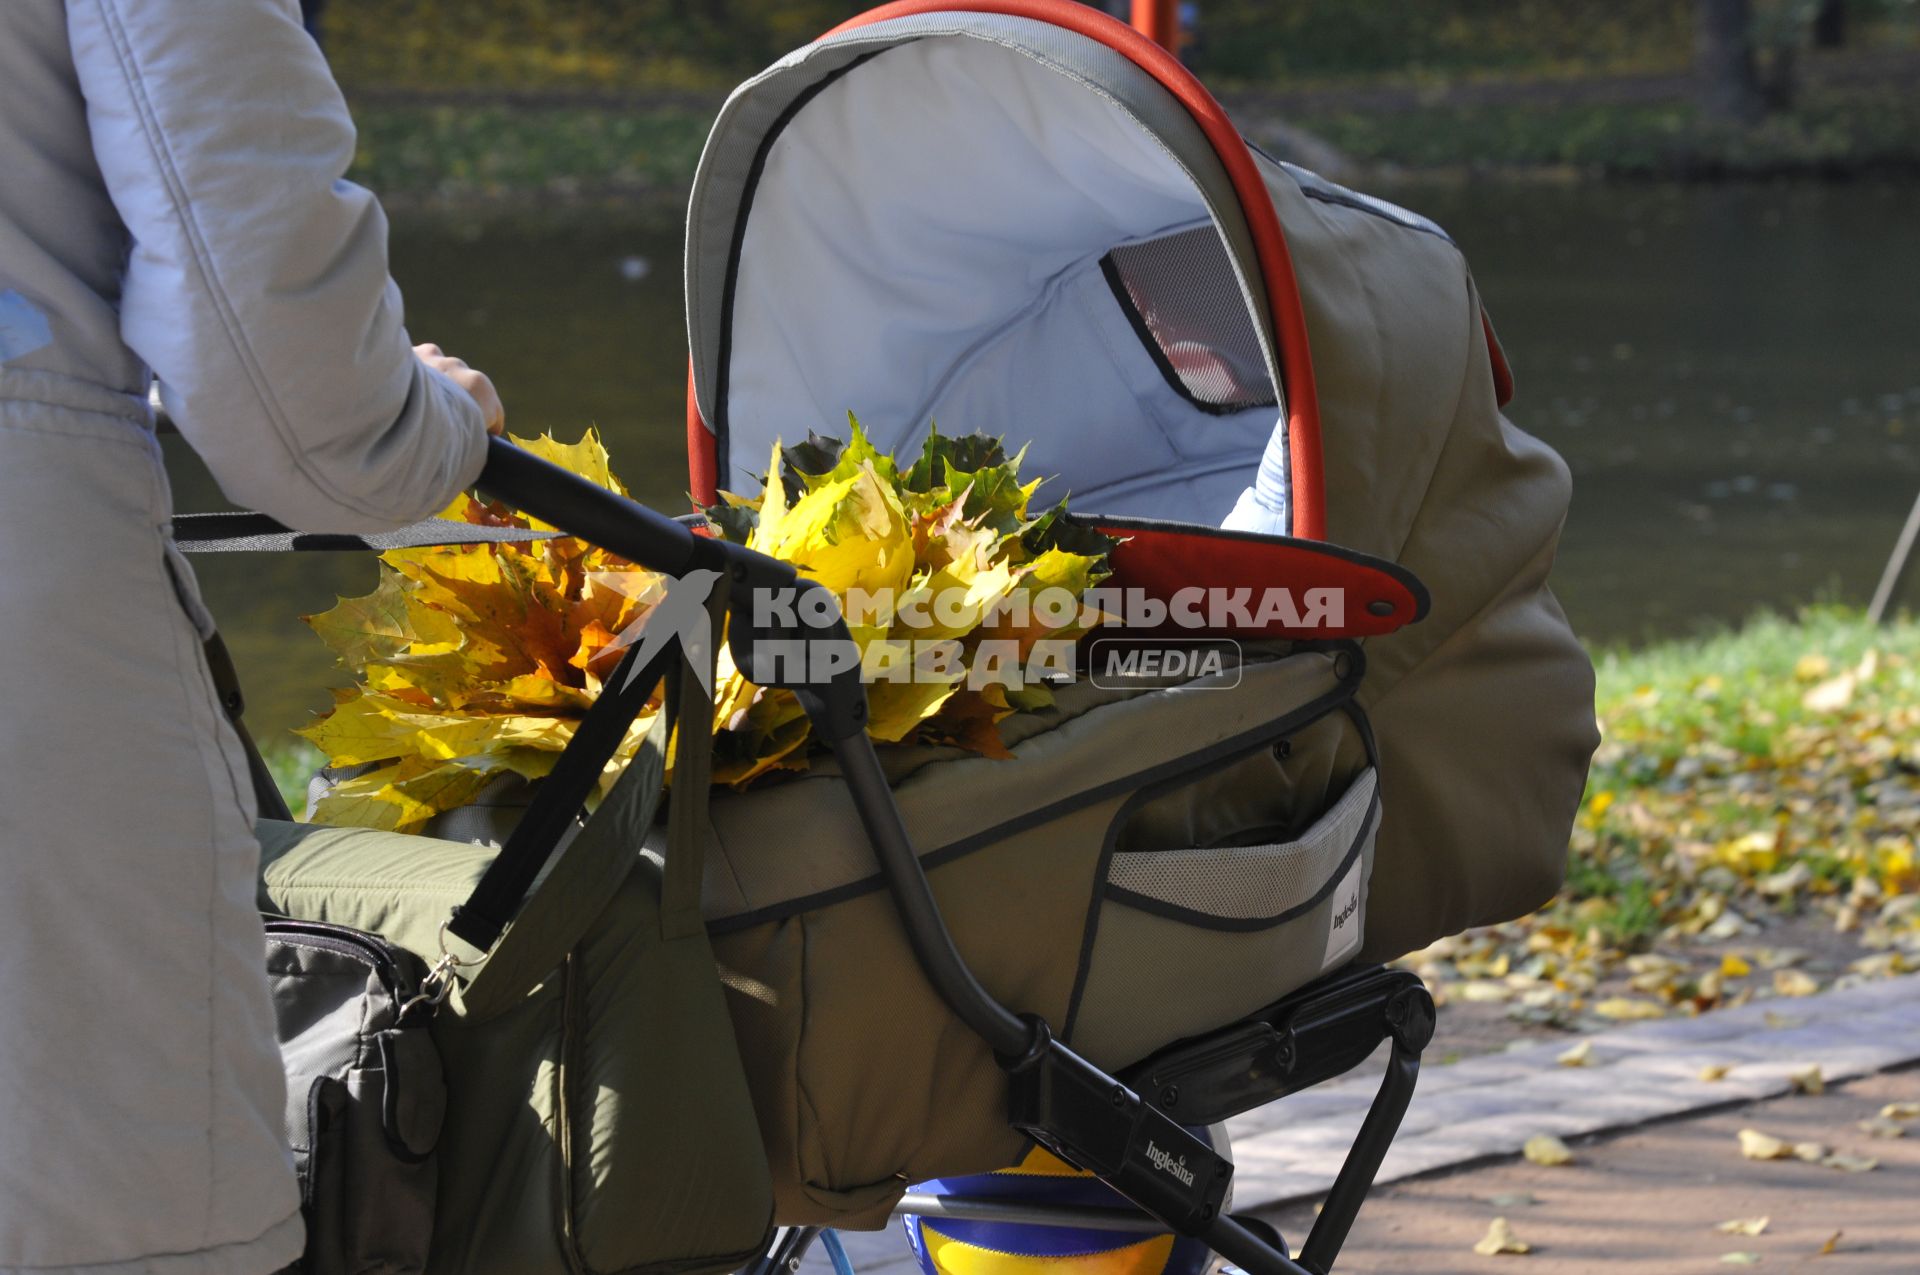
x=1733, y=374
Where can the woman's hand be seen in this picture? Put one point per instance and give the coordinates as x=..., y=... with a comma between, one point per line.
x=474, y=383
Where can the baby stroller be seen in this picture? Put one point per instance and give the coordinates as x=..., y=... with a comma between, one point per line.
x=1027, y=214
x=1165, y=909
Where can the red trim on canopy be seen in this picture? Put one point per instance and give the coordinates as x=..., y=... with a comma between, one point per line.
x=703, y=461
x=1308, y=508
x=1502, y=374
x=1203, y=567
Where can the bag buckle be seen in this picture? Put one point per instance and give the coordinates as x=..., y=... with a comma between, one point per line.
x=438, y=984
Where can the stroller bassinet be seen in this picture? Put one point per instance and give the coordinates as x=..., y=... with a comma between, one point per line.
x=1013, y=217
x=1021, y=217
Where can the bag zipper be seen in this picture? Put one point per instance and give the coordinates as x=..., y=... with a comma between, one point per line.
x=346, y=941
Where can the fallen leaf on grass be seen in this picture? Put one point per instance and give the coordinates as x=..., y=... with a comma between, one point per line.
x=1513, y=1200
x=1626, y=1008
x=1744, y=1226
x=1501, y=1239
x=1579, y=1056
x=1779, y=958
x=1546, y=1150
x=1756, y=1145
x=1850, y=1163
x=1900, y=1111
x=1788, y=881
x=1831, y=695
x=1740, y=1259
x=1832, y=1245
x=1881, y=1127
x=1807, y=1079
x=1881, y=965
x=1715, y=1071
x=1794, y=983
x=1717, y=842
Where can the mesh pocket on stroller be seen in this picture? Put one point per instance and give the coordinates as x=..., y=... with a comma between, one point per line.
x=1177, y=929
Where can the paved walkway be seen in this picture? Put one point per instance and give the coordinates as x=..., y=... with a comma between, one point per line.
x=1487, y=1107
x=1653, y=1200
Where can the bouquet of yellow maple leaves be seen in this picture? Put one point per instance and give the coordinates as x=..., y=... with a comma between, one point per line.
x=472, y=661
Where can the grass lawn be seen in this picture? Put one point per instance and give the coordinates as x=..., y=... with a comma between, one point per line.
x=1772, y=768
x=1748, y=832
x=1832, y=131
x=457, y=152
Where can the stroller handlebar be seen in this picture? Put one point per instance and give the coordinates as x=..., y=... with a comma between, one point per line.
x=582, y=509
x=652, y=540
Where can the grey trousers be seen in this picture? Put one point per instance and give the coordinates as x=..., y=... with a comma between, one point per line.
x=141, y=1098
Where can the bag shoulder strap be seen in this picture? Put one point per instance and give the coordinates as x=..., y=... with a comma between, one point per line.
x=689, y=831
x=243, y=532
x=557, y=800
x=588, y=874
x=226, y=684
x=256, y=533
x=502, y=889
x=597, y=860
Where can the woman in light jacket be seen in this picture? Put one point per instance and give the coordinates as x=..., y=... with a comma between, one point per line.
x=171, y=206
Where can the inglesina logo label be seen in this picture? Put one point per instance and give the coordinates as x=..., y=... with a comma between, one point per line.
x=1343, y=934
x=1345, y=914
x=1164, y=1161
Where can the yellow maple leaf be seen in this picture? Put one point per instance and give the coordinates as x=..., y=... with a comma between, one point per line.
x=1755, y=1145
x=1547, y=1151
x=1744, y=1226
x=1629, y=1008
x=1500, y=1239
x=849, y=534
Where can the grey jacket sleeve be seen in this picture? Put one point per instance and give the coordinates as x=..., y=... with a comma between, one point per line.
x=257, y=287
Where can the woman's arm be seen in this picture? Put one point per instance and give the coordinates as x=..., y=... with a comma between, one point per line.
x=257, y=287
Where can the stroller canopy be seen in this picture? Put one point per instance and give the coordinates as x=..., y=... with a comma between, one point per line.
x=1002, y=224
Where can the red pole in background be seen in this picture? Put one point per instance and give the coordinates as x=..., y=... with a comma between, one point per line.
x=1159, y=21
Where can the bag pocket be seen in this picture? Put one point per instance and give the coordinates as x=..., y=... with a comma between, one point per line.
x=394, y=1111
x=663, y=1166
x=367, y=1095
x=1205, y=935
x=318, y=1136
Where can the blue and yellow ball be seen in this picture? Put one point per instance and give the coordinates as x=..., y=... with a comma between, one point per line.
x=952, y=1246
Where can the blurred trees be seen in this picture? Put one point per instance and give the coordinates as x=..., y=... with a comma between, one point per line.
x=1830, y=24
x=658, y=43
x=1746, y=53
x=712, y=44
x=1288, y=40
x=1724, y=61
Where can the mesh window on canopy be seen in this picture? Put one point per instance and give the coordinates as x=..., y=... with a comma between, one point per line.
x=1181, y=295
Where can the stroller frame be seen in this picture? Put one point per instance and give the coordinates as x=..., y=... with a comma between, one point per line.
x=1102, y=1123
